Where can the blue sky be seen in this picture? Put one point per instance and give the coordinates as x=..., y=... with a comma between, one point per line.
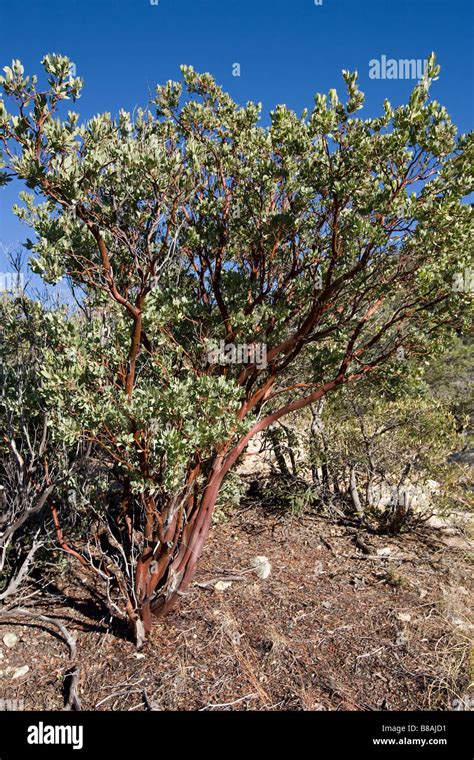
x=287, y=50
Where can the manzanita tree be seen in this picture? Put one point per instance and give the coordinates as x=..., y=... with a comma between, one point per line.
x=323, y=236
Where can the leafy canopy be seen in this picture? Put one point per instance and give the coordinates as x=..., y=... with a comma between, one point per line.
x=325, y=236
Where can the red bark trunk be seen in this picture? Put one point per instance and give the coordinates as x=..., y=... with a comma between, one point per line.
x=163, y=573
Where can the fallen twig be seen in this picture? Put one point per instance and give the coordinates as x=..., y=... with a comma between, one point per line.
x=228, y=704
x=213, y=581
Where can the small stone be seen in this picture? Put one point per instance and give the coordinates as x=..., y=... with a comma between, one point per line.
x=2, y=656
x=222, y=585
x=10, y=639
x=404, y=617
x=19, y=672
x=385, y=552
x=138, y=656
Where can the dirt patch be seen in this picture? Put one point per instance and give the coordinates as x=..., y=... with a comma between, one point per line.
x=340, y=623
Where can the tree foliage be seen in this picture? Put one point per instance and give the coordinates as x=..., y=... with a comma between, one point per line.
x=329, y=238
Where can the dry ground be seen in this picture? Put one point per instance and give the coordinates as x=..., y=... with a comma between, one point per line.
x=331, y=628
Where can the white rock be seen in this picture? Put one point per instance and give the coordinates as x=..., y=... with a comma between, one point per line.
x=222, y=585
x=262, y=566
x=436, y=522
x=385, y=552
x=404, y=617
x=2, y=656
x=19, y=672
x=10, y=639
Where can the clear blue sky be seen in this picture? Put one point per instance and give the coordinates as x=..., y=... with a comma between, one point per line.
x=287, y=49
